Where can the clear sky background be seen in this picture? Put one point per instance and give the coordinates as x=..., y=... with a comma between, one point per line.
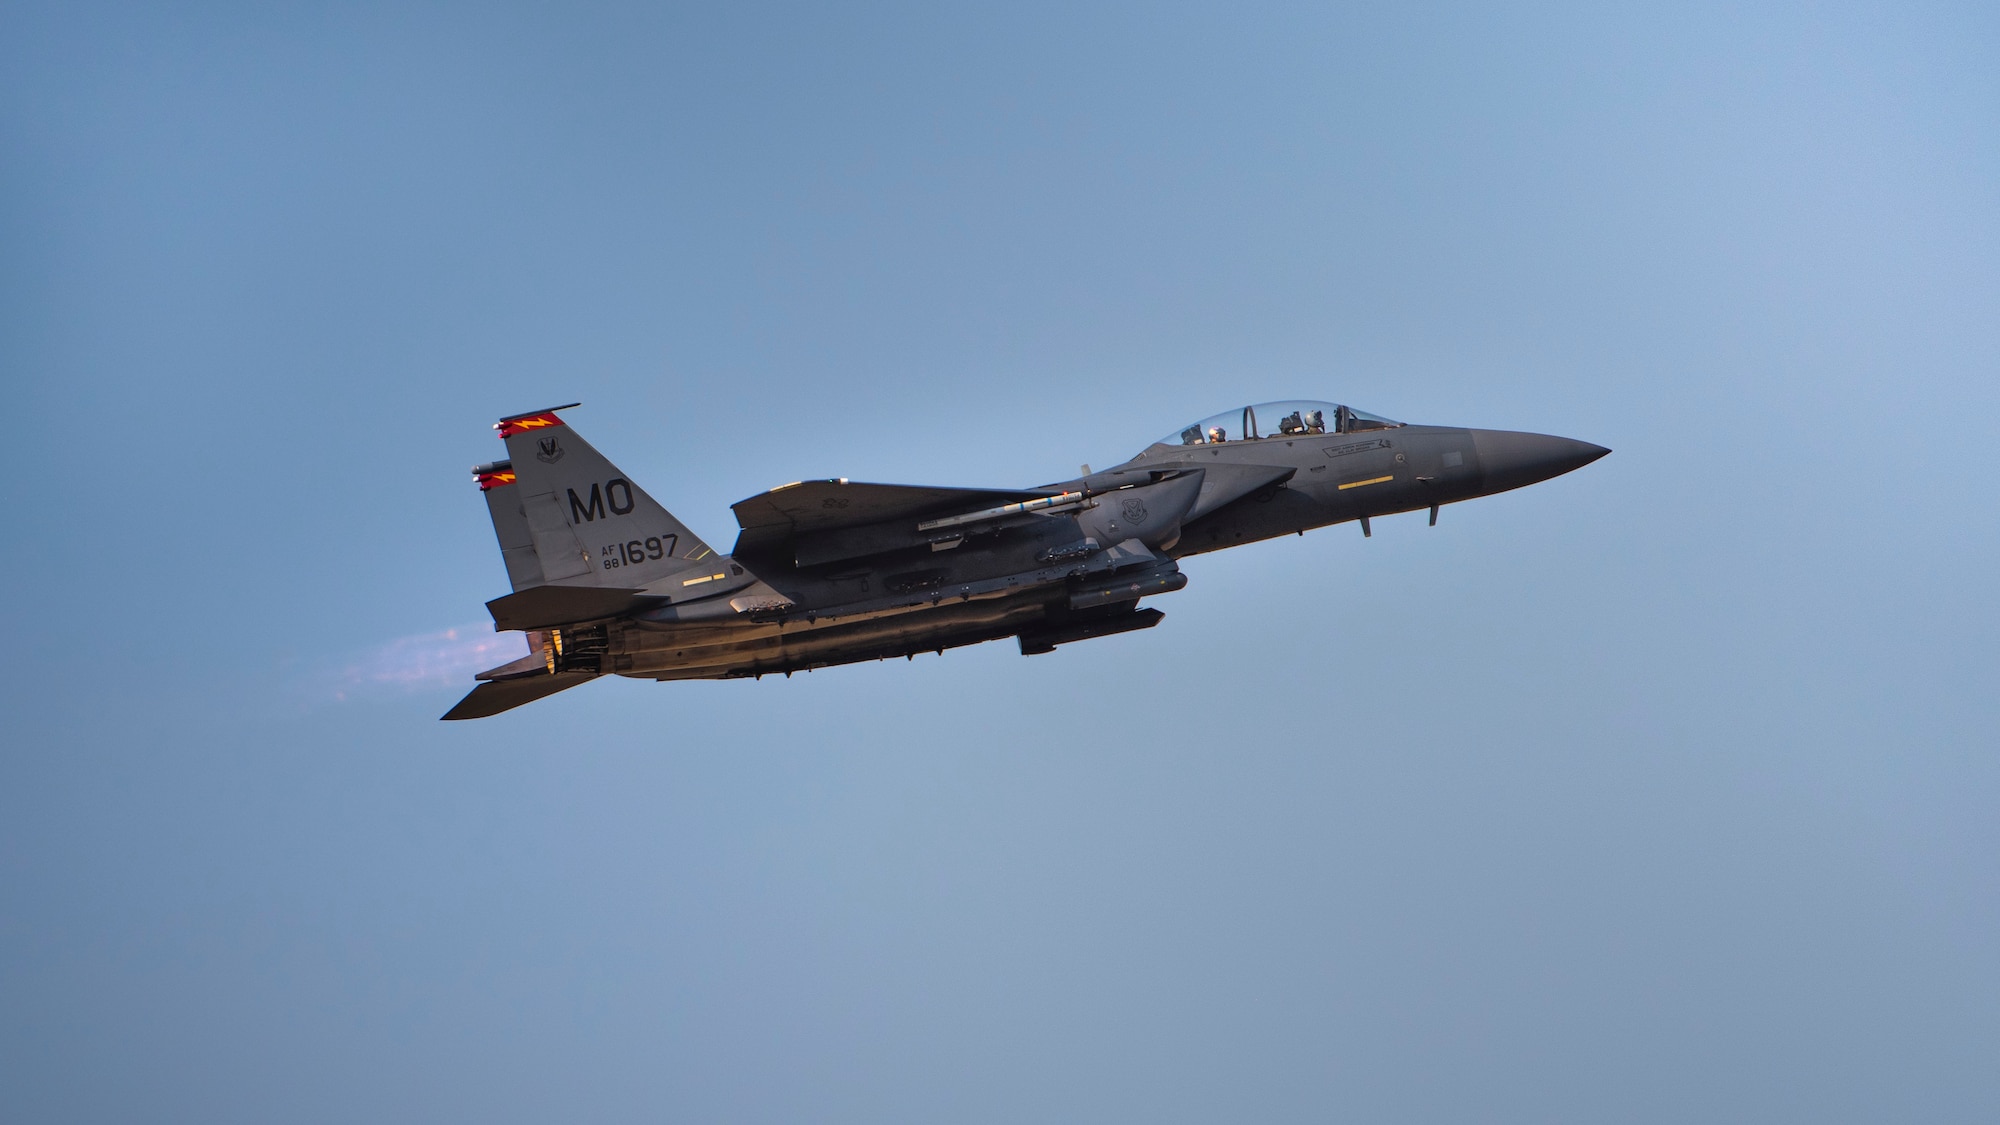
x=1664, y=791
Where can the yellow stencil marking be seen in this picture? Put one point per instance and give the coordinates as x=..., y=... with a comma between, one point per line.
x=1359, y=483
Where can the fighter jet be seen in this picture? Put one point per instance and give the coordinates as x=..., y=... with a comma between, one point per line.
x=606, y=582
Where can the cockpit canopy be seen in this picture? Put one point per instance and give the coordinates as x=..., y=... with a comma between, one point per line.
x=1278, y=420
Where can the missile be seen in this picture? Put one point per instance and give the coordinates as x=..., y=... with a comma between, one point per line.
x=1042, y=504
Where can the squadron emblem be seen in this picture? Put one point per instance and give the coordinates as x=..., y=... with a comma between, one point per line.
x=550, y=452
x=1133, y=510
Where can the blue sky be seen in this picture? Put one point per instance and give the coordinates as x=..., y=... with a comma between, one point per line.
x=1661, y=792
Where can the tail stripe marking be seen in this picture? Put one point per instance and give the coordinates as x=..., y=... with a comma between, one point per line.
x=513, y=426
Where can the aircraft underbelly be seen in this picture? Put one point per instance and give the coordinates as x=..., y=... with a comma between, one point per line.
x=747, y=650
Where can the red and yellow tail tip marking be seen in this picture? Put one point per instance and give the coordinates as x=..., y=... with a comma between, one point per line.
x=532, y=420
x=495, y=479
x=508, y=427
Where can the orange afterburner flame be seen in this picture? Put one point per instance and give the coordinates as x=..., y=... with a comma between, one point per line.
x=510, y=426
x=490, y=481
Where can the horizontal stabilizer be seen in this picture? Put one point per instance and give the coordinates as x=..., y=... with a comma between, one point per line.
x=533, y=664
x=540, y=607
x=493, y=697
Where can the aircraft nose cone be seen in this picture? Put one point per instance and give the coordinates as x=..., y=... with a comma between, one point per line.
x=1511, y=460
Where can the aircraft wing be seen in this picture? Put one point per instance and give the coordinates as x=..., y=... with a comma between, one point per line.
x=823, y=505
x=820, y=521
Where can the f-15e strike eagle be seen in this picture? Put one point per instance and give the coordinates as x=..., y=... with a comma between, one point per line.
x=608, y=582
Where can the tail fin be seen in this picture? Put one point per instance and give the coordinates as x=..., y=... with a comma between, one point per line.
x=510, y=523
x=579, y=538
x=590, y=525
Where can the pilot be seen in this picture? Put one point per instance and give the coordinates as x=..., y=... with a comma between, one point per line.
x=1217, y=434
x=1315, y=422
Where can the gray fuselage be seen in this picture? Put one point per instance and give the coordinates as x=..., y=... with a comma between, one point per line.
x=1054, y=576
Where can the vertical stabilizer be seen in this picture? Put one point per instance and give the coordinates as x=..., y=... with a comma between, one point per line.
x=510, y=523
x=586, y=522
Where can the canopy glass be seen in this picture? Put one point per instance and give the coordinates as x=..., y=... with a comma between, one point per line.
x=1267, y=420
